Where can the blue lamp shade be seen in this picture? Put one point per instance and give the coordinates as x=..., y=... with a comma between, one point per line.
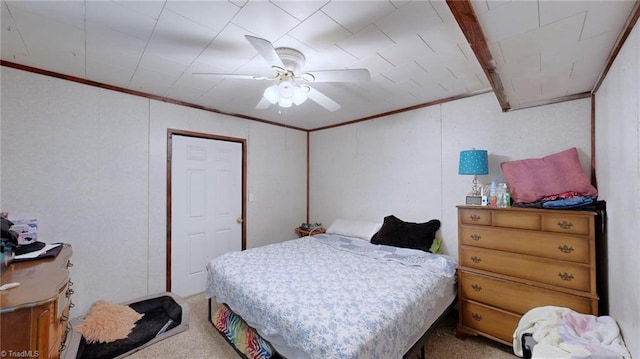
x=473, y=162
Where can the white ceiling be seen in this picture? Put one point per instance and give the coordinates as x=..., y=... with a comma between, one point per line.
x=415, y=51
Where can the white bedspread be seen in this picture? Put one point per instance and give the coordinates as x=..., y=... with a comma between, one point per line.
x=330, y=296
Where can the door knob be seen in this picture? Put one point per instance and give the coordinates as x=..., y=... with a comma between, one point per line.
x=239, y=220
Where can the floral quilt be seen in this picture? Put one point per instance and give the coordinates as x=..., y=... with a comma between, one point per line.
x=330, y=296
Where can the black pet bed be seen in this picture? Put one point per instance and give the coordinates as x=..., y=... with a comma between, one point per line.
x=165, y=314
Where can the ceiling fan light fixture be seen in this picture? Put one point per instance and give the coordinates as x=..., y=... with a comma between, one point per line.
x=285, y=102
x=286, y=89
x=300, y=95
x=272, y=94
x=286, y=93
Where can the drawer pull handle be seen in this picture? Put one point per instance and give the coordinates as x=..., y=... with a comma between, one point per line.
x=69, y=292
x=475, y=217
x=566, y=276
x=477, y=317
x=63, y=318
x=62, y=347
x=565, y=225
x=69, y=264
x=72, y=305
x=70, y=283
x=476, y=287
x=476, y=237
x=565, y=249
x=476, y=259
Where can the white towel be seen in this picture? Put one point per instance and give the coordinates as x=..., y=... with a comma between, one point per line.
x=563, y=333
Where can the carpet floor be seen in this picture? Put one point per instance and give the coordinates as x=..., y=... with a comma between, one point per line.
x=201, y=340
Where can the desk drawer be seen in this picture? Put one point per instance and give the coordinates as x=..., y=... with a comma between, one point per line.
x=516, y=297
x=489, y=320
x=559, y=273
x=549, y=245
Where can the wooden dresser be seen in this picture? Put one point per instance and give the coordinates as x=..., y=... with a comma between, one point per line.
x=514, y=259
x=34, y=315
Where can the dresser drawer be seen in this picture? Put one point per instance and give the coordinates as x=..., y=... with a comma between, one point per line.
x=475, y=216
x=559, y=273
x=550, y=245
x=516, y=219
x=566, y=223
x=64, y=299
x=516, y=297
x=489, y=320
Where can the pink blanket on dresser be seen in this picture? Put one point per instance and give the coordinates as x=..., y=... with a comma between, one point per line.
x=563, y=333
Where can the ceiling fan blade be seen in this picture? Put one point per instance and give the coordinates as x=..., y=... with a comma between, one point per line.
x=264, y=103
x=322, y=100
x=346, y=75
x=266, y=50
x=232, y=76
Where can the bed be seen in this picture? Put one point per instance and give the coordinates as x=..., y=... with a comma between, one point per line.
x=333, y=296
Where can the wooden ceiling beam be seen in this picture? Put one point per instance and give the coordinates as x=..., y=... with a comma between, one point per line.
x=622, y=37
x=468, y=21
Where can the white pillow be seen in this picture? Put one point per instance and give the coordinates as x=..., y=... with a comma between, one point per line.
x=357, y=229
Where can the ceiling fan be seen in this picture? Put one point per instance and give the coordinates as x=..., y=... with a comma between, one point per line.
x=291, y=83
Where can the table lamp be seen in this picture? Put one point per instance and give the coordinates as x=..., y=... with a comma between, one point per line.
x=474, y=162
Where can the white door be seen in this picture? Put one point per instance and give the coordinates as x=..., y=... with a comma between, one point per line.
x=206, y=207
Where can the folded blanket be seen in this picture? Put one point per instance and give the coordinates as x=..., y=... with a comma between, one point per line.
x=563, y=333
x=565, y=203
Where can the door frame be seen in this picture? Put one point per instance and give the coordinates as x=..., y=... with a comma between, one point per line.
x=243, y=142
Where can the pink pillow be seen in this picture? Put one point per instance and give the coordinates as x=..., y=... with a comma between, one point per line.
x=532, y=179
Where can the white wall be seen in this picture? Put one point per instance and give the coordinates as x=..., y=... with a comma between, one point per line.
x=407, y=164
x=90, y=165
x=618, y=177
x=76, y=158
x=372, y=169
